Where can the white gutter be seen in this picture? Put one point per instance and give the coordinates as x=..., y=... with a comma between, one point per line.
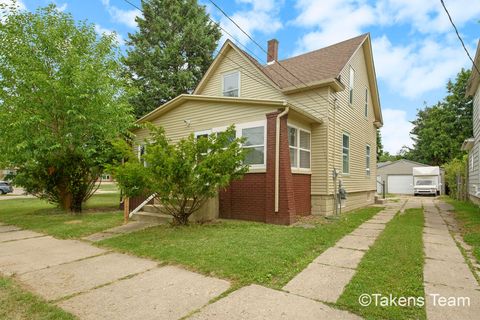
x=277, y=156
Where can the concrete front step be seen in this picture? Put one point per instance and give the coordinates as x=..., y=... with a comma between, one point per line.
x=156, y=217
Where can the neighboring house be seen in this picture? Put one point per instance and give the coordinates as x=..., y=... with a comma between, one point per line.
x=472, y=145
x=398, y=176
x=327, y=112
x=5, y=172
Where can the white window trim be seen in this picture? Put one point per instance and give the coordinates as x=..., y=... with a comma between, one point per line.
x=368, y=171
x=238, y=134
x=297, y=169
x=349, y=147
x=253, y=124
x=202, y=132
x=239, y=82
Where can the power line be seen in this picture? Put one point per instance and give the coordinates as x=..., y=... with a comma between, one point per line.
x=458, y=35
x=263, y=49
x=247, y=72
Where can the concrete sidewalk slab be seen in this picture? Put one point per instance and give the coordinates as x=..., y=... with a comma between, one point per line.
x=427, y=230
x=442, y=252
x=130, y=227
x=64, y=280
x=162, y=293
x=258, y=303
x=444, y=239
x=464, y=309
x=320, y=282
x=368, y=225
x=450, y=274
x=19, y=235
x=366, y=232
x=37, y=253
x=340, y=257
x=9, y=228
x=355, y=242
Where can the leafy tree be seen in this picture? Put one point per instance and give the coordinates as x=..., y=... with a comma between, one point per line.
x=456, y=177
x=439, y=130
x=170, y=52
x=380, y=151
x=62, y=100
x=182, y=175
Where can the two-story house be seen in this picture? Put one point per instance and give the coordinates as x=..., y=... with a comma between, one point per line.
x=304, y=118
x=472, y=145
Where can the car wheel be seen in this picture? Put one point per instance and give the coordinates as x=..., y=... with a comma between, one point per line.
x=2, y=192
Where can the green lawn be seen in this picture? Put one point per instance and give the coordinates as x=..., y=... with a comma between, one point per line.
x=468, y=216
x=18, y=304
x=245, y=252
x=101, y=212
x=393, y=265
x=108, y=186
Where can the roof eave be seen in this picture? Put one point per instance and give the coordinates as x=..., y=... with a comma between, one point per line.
x=190, y=97
x=332, y=83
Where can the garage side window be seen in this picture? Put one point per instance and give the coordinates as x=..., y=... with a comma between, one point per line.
x=345, y=153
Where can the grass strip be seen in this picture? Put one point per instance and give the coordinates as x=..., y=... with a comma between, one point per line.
x=244, y=252
x=101, y=212
x=393, y=265
x=18, y=304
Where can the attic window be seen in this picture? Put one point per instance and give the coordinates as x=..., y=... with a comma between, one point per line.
x=231, y=84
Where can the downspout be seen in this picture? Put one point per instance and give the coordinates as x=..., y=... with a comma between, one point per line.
x=277, y=156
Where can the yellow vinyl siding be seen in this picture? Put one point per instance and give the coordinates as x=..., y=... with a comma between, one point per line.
x=315, y=103
x=351, y=119
x=203, y=116
x=252, y=82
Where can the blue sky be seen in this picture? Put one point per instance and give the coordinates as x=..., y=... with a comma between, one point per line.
x=415, y=48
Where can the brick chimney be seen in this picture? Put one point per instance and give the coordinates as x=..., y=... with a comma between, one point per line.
x=272, y=51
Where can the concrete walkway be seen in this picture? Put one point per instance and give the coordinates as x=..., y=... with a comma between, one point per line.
x=93, y=283
x=326, y=277
x=446, y=274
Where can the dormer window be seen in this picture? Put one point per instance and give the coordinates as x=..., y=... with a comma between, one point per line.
x=231, y=84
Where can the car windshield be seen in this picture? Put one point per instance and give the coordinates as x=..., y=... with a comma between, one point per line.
x=424, y=182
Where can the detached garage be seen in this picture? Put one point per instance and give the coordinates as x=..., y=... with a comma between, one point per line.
x=397, y=175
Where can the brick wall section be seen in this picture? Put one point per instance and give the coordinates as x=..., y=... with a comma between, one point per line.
x=244, y=199
x=253, y=197
x=286, y=214
x=302, y=186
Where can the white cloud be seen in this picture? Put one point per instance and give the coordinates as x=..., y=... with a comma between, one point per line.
x=427, y=16
x=396, y=130
x=126, y=17
x=332, y=21
x=415, y=69
x=9, y=3
x=101, y=30
x=62, y=7
x=261, y=17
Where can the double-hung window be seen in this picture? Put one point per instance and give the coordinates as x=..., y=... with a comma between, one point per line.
x=351, y=83
x=254, y=134
x=231, y=84
x=345, y=153
x=300, y=150
x=367, y=160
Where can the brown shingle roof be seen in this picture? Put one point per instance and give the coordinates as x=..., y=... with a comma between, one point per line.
x=314, y=66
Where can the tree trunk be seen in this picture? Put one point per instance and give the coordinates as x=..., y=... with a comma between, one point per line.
x=70, y=202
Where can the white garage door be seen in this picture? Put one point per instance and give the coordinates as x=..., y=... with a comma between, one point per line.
x=401, y=184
